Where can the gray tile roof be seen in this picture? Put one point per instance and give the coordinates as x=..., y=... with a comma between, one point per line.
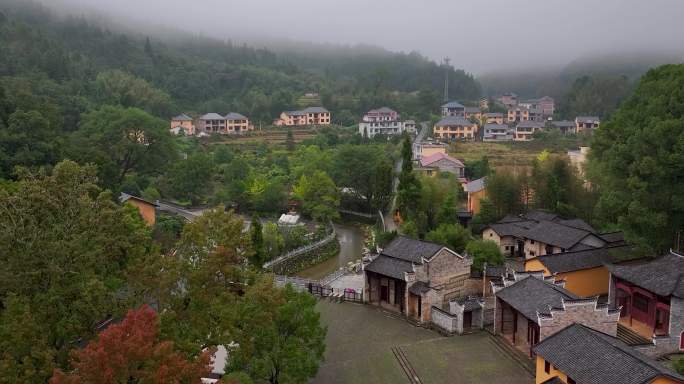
x=453, y=121
x=592, y=357
x=211, y=116
x=472, y=109
x=389, y=266
x=554, y=380
x=382, y=110
x=496, y=127
x=453, y=104
x=613, y=237
x=530, y=124
x=530, y=296
x=315, y=110
x=419, y=288
x=469, y=303
x=578, y=260
x=295, y=113
x=577, y=223
x=494, y=114
x=182, y=117
x=587, y=119
x=663, y=275
x=549, y=232
x=408, y=249
x=235, y=116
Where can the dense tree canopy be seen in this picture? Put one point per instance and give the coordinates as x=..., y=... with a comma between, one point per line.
x=637, y=161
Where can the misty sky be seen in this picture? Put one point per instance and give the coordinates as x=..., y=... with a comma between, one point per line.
x=479, y=35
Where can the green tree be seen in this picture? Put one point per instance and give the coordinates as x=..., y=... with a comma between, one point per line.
x=367, y=171
x=484, y=251
x=192, y=178
x=28, y=140
x=274, y=243
x=65, y=247
x=453, y=236
x=123, y=140
x=279, y=332
x=120, y=88
x=504, y=192
x=637, y=161
x=257, y=236
x=289, y=140
x=318, y=195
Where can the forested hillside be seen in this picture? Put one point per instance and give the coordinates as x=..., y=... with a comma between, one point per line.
x=199, y=74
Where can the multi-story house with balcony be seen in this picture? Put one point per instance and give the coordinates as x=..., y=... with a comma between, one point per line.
x=455, y=128
x=211, y=123
x=237, y=123
x=307, y=116
x=525, y=129
x=518, y=114
x=381, y=121
x=494, y=118
x=183, y=123
x=586, y=123
x=565, y=126
x=497, y=132
x=508, y=99
x=453, y=108
x=545, y=105
x=472, y=113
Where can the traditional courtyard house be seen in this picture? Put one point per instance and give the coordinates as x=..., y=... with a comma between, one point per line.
x=494, y=118
x=651, y=294
x=497, y=132
x=453, y=108
x=508, y=99
x=237, y=123
x=427, y=149
x=538, y=233
x=148, y=209
x=455, y=128
x=476, y=190
x=472, y=113
x=183, y=123
x=564, y=126
x=529, y=308
x=517, y=114
x=381, y=121
x=586, y=123
x=441, y=162
x=411, y=276
x=211, y=123
x=584, y=272
x=580, y=354
x=525, y=129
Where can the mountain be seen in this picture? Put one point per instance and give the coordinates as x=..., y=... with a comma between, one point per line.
x=195, y=74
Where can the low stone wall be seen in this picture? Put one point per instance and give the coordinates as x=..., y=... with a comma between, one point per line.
x=307, y=259
x=443, y=321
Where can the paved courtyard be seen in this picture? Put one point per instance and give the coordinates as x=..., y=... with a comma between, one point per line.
x=359, y=350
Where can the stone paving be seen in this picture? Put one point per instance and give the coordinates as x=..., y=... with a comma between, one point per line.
x=359, y=350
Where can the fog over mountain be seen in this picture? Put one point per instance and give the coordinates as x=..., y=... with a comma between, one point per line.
x=478, y=36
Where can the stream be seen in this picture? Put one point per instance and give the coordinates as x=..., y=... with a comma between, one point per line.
x=351, y=247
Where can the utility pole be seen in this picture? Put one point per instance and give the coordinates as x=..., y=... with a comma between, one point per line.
x=446, y=79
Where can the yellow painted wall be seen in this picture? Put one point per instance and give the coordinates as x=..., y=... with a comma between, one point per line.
x=474, y=200
x=147, y=211
x=542, y=376
x=585, y=282
x=665, y=380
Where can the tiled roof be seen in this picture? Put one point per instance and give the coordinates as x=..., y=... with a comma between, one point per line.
x=453, y=104
x=576, y=223
x=587, y=119
x=182, y=117
x=663, y=275
x=390, y=266
x=531, y=295
x=563, y=123
x=382, y=110
x=472, y=109
x=295, y=113
x=235, y=116
x=315, y=110
x=494, y=114
x=530, y=124
x=469, y=303
x=405, y=248
x=554, y=380
x=124, y=197
x=426, y=161
x=453, y=121
x=211, y=116
x=613, y=237
x=578, y=260
x=552, y=233
x=419, y=288
x=476, y=185
x=592, y=357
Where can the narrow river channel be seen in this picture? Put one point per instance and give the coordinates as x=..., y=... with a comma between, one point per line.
x=351, y=247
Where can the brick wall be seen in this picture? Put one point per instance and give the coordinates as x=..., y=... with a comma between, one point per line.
x=585, y=312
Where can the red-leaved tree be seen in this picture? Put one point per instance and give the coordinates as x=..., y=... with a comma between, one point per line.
x=130, y=352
